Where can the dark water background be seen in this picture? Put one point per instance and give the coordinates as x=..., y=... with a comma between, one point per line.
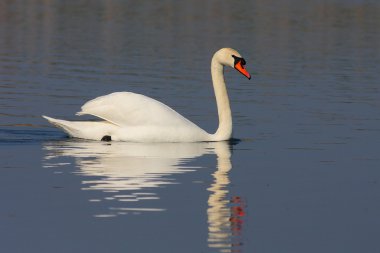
x=304, y=178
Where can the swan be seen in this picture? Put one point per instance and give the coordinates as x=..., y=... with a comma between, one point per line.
x=134, y=117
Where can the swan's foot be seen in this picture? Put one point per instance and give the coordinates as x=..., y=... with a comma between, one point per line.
x=106, y=138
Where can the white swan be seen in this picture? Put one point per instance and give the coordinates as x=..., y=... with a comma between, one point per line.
x=136, y=118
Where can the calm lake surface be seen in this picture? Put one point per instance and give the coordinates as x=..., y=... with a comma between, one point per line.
x=304, y=177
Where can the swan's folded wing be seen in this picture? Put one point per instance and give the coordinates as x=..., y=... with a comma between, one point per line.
x=131, y=109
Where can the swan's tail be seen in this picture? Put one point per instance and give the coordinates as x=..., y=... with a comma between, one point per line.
x=92, y=130
x=67, y=126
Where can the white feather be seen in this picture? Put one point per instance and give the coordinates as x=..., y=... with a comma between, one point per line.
x=131, y=109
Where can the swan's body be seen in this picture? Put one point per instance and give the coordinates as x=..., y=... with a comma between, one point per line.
x=136, y=118
x=132, y=117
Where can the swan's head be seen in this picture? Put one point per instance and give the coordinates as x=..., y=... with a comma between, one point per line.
x=231, y=57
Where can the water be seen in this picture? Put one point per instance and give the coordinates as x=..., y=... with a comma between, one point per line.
x=303, y=178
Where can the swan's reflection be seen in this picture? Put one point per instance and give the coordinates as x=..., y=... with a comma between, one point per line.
x=131, y=171
x=225, y=212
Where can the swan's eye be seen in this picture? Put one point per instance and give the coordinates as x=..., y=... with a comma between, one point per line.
x=238, y=59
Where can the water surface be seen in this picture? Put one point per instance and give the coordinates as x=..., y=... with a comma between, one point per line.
x=304, y=177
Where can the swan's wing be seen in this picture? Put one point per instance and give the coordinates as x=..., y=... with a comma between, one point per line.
x=131, y=109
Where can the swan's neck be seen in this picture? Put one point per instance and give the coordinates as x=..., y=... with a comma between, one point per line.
x=224, y=131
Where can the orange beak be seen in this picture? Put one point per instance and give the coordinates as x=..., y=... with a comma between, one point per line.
x=240, y=67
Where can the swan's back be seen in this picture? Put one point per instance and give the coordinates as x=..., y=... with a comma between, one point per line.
x=131, y=109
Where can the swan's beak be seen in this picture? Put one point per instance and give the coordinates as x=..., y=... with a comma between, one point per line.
x=239, y=66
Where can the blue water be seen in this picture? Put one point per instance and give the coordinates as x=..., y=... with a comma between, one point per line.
x=303, y=177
